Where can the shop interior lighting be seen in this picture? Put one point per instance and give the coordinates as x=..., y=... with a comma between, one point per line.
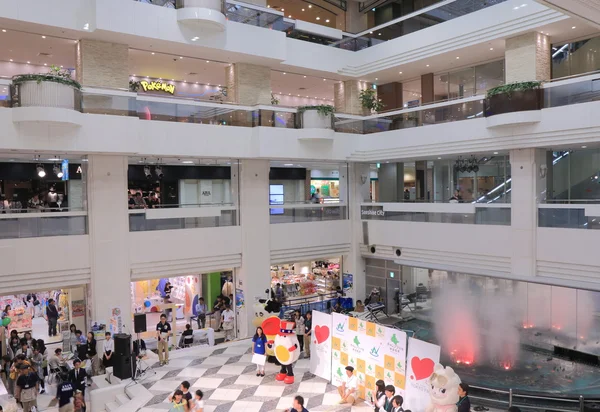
x=159, y=172
x=40, y=170
x=57, y=171
x=147, y=172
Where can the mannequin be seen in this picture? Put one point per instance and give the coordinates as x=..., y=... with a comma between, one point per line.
x=15, y=204
x=227, y=288
x=52, y=197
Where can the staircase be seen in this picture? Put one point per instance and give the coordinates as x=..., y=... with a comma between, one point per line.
x=116, y=395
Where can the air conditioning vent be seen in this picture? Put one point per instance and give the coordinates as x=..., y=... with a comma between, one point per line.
x=44, y=54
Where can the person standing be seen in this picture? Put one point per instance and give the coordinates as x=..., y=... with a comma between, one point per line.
x=91, y=353
x=259, y=347
x=109, y=348
x=464, y=403
x=178, y=404
x=52, y=317
x=78, y=376
x=36, y=363
x=397, y=402
x=228, y=323
x=217, y=308
x=163, y=331
x=307, y=334
x=27, y=388
x=378, y=400
x=299, y=328
x=201, y=311
x=279, y=293
x=198, y=405
x=390, y=391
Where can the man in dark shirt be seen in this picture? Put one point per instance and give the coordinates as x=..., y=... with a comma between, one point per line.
x=298, y=405
x=307, y=334
x=185, y=388
x=27, y=387
x=64, y=393
x=78, y=376
x=163, y=331
x=52, y=316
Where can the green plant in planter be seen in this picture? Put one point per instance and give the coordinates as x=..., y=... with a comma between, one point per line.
x=368, y=100
x=322, y=109
x=274, y=100
x=510, y=88
x=56, y=75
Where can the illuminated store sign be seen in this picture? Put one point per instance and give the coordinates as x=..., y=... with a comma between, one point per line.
x=157, y=87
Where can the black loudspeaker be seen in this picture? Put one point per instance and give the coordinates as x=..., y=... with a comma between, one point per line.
x=139, y=323
x=123, y=362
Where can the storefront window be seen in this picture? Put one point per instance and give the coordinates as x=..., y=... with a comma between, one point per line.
x=468, y=82
x=306, y=282
x=574, y=176
x=569, y=59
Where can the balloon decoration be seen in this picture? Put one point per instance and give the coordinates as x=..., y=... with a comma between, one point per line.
x=147, y=303
x=6, y=321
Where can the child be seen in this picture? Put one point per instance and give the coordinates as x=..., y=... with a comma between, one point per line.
x=78, y=402
x=198, y=405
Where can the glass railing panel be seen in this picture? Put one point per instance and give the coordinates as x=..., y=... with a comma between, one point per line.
x=276, y=118
x=162, y=3
x=139, y=221
x=255, y=17
x=196, y=113
x=307, y=213
x=493, y=216
x=115, y=103
x=572, y=93
x=567, y=218
x=466, y=215
x=17, y=226
x=5, y=92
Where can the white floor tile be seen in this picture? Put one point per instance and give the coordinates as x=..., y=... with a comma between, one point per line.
x=250, y=380
x=225, y=394
x=212, y=361
x=192, y=372
x=269, y=391
x=165, y=385
x=331, y=399
x=312, y=387
x=207, y=383
x=246, y=406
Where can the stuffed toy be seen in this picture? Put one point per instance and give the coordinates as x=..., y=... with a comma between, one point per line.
x=443, y=390
x=285, y=345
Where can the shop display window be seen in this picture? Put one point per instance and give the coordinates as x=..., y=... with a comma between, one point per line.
x=307, y=279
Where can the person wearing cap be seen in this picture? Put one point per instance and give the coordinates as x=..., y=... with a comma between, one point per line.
x=347, y=390
x=78, y=376
x=27, y=388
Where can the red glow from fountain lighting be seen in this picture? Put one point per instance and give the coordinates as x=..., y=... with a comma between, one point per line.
x=557, y=327
x=528, y=325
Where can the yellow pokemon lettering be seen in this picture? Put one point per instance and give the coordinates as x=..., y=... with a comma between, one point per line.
x=158, y=86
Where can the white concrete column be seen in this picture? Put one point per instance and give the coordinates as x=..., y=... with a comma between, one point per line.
x=254, y=276
x=343, y=182
x=102, y=64
x=528, y=189
x=346, y=97
x=359, y=183
x=109, y=237
x=527, y=58
x=248, y=84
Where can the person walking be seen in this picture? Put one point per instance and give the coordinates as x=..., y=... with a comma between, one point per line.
x=64, y=393
x=259, y=347
x=52, y=317
x=307, y=334
x=27, y=388
x=163, y=331
x=201, y=311
x=91, y=353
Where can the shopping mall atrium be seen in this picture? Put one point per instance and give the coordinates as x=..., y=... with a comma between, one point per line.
x=403, y=183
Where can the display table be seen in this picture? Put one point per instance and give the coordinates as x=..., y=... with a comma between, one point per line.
x=206, y=334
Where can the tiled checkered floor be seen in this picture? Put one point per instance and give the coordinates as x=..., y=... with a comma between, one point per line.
x=229, y=382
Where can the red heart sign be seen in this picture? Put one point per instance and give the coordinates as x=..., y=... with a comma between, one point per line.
x=321, y=333
x=422, y=368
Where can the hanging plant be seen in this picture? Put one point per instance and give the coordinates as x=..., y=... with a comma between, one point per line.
x=508, y=89
x=368, y=100
x=56, y=75
x=134, y=86
x=322, y=109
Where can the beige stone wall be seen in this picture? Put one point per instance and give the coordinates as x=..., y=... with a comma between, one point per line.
x=248, y=84
x=346, y=98
x=102, y=64
x=528, y=58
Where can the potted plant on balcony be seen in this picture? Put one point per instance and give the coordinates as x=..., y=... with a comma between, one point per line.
x=368, y=100
x=316, y=117
x=53, y=89
x=513, y=97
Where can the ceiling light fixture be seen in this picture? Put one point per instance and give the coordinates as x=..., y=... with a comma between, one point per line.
x=284, y=73
x=188, y=162
x=290, y=16
x=495, y=153
x=318, y=18
x=208, y=61
x=282, y=9
x=40, y=170
x=399, y=72
x=11, y=59
x=3, y=30
x=327, y=21
x=159, y=172
x=305, y=77
x=457, y=57
x=427, y=65
x=147, y=172
x=574, y=27
x=153, y=53
x=324, y=79
x=43, y=37
x=376, y=78
x=180, y=57
x=29, y=62
x=302, y=9
x=584, y=147
x=45, y=64
x=57, y=171
x=491, y=48
x=310, y=6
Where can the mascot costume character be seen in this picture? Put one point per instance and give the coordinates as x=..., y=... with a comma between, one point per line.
x=285, y=346
x=443, y=390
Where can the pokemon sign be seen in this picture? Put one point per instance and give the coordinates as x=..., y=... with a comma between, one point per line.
x=157, y=87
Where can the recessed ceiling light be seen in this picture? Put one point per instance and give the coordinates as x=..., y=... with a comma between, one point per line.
x=289, y=94
x=324, y=79
x=284, y=73
x=574, y=27
x=11, y=60
x=376, y=78
x=196, y=82
x=290, y=16
x=318, y=18
x=43, y=37
x=327, y=21
x=491, y=48
x=584, y=147
x=310, y=6
x=3, y=30
x=370, y=32
x=302, y=9
x=298, y=95
x=379, y=34
x=439, y=158
x=288, y=164
x=457, y=57
x=61, y=66
x=188, y=162
x=28, y=62
x=305, y=77
x=495, y=152
x=399, y=72
x=153, y=53
x=180, y=57
x=282, y=9
x=427, y=65
x=45, y=64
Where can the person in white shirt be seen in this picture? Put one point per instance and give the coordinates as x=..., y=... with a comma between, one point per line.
x=397, y=402
x=378, y=399
x=227, y=319
x=109, y=348
x=198, y=404
x=347, y=390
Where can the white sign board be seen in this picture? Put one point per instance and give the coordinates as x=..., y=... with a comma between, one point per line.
x=421, y=359
x=320, y=345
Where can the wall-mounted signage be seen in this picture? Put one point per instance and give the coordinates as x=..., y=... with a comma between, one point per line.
x=157, y=87
x=65, y=169
x=372, y=213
